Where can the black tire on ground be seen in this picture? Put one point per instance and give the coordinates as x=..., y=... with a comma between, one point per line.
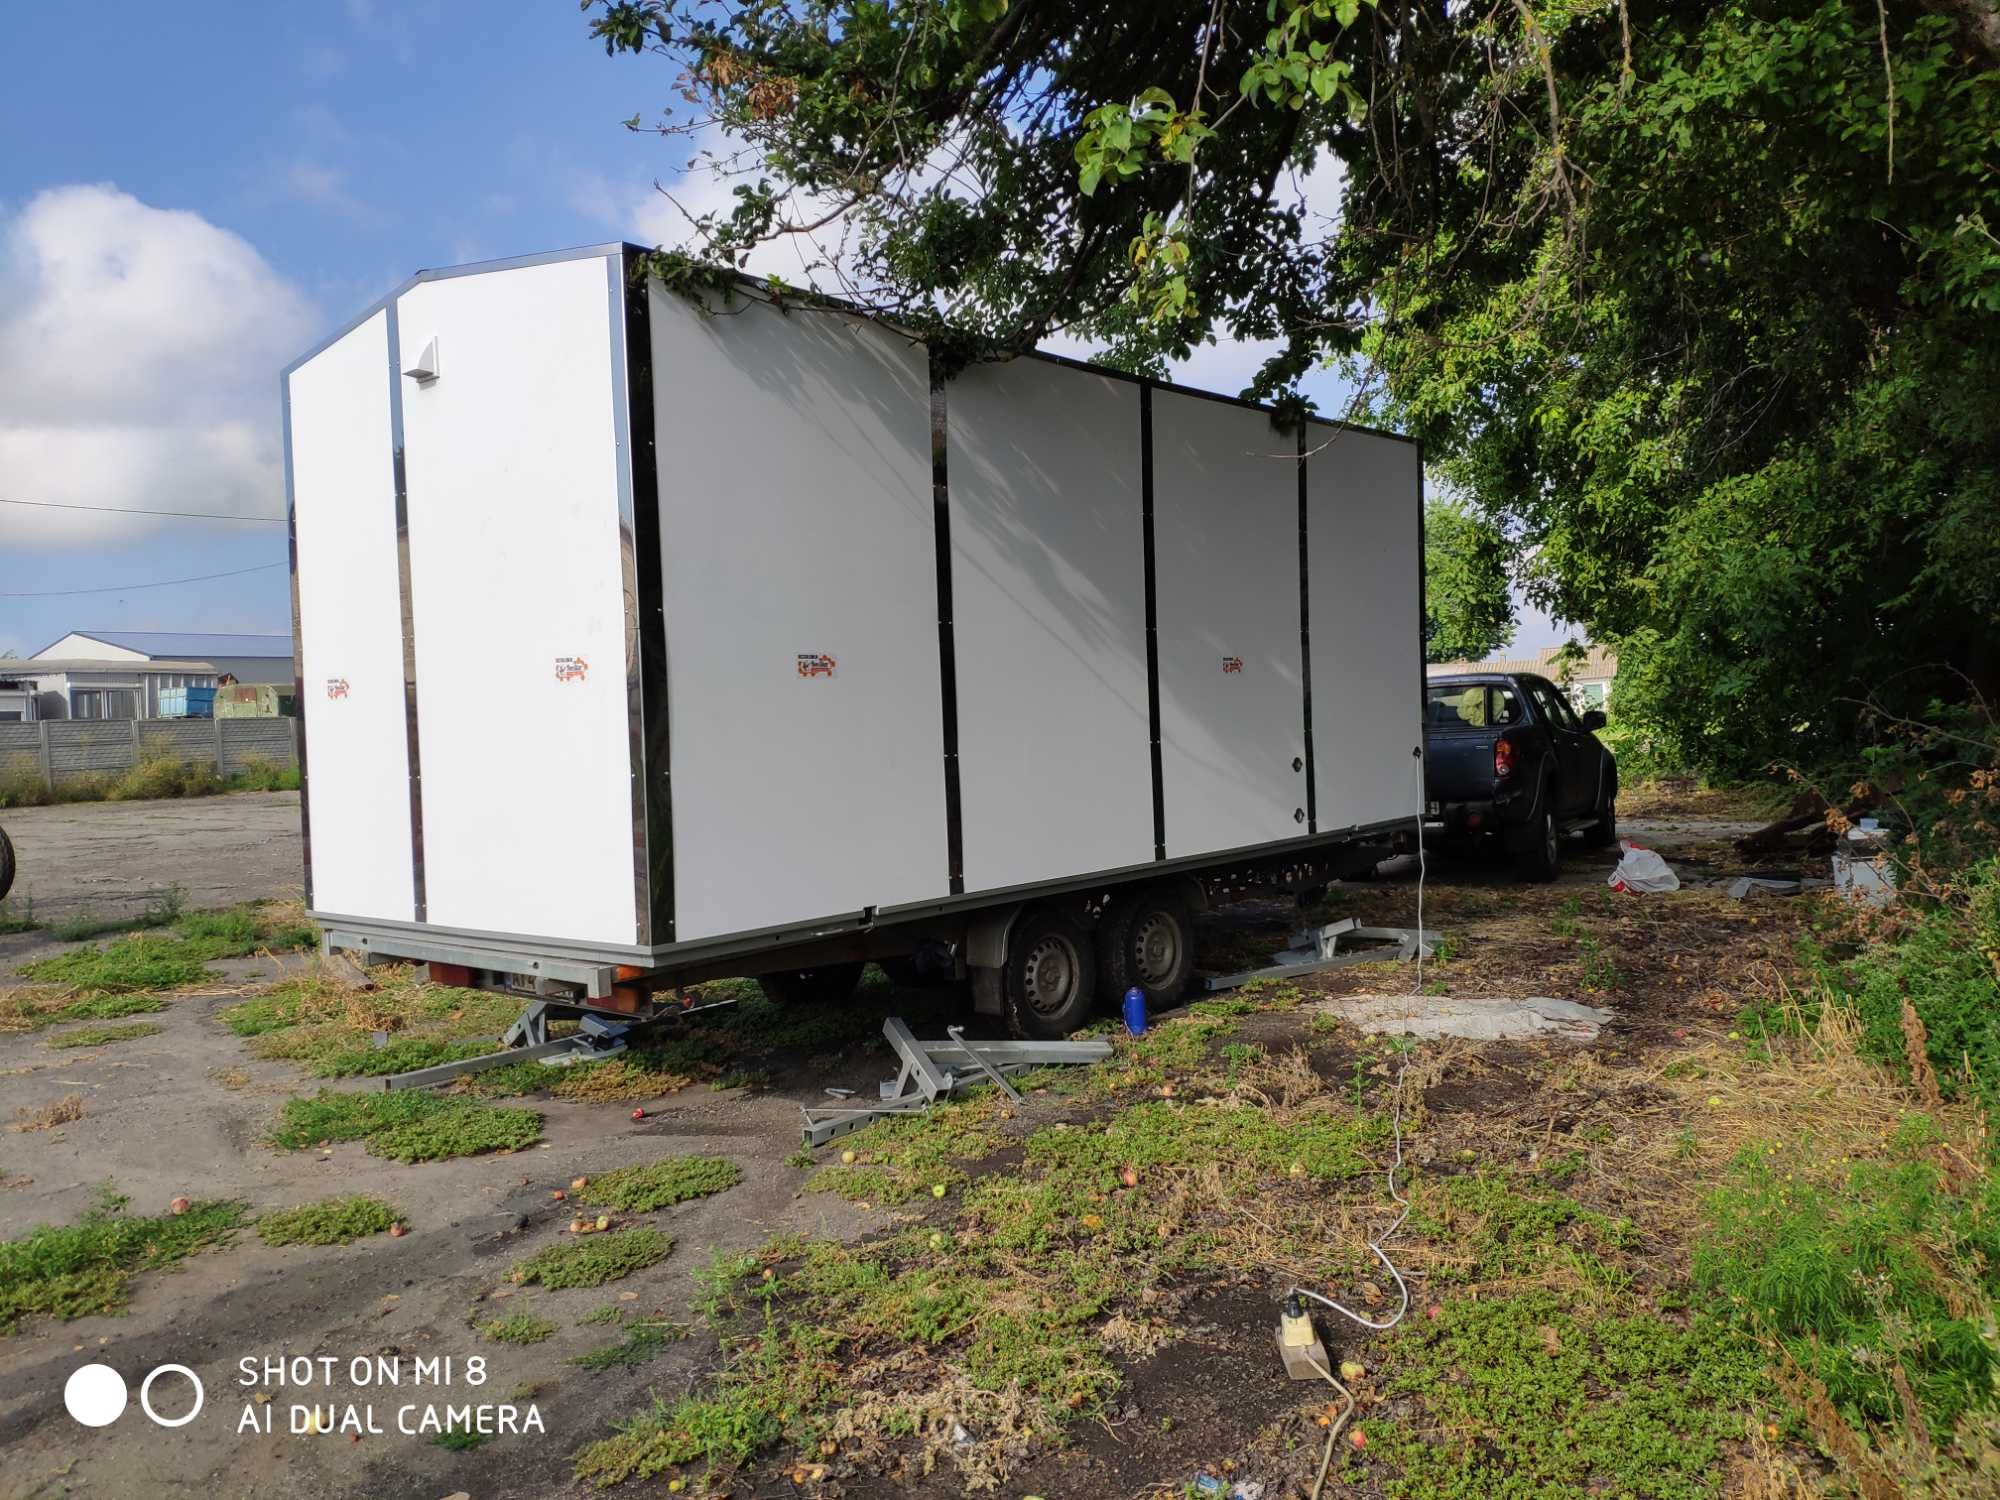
x=1146, y=940
x=1538, y=852
x=1604, y=832
x=829, y=984
x=1048, y=982
x=6, y=864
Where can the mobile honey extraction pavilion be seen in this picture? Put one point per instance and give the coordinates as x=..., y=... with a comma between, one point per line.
x=649, y=635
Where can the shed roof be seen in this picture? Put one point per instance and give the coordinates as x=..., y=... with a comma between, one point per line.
x=35, y=666
x=186, y=644
x=1596, y=662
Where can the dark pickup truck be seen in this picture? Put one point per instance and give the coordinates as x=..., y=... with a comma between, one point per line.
x=1505, y=756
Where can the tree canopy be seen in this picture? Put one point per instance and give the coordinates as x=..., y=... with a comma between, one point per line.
x=1693, y=301
x=1468, y=613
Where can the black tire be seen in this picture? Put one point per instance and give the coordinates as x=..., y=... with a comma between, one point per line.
x=1538, y=847
x=1145, y=940
x=6, y=864
x=1048, y=983
x=827, y=985
x=1604, y=832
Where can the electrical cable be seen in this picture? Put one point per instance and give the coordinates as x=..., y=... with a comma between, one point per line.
x=1395, y=1165
x=134, y=510
x=163, y=583
x=1334, y=1428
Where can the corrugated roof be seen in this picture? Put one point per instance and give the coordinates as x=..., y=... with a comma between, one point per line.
x=1596, y=661
x=193, y=643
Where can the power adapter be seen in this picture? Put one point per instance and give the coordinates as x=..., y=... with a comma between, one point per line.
x=1298, y=1342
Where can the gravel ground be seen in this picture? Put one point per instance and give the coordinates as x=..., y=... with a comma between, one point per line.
x=111, y=858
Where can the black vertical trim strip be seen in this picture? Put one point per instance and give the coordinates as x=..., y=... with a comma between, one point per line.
x=1152, y=616
x=947, y=646
x=652, y=790
x=1305, y=641
x=298, y=640
x=409, y=624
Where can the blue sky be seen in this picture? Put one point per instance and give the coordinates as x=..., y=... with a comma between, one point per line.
x=247, y=177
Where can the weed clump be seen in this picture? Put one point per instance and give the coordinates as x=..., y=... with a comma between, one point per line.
x=334, y=1221
x=592, y=1260
x=660, y=1184
x=520, y=1328
x=406, y=1127
x=70, y=1271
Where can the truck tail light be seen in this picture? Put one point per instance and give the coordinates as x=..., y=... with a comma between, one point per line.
x=1503, y=757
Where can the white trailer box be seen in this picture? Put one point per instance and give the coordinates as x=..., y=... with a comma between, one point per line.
x=640, y=634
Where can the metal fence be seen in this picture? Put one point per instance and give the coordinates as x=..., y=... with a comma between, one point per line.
x=59, y=750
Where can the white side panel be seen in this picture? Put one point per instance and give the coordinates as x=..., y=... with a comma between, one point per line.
x=351, y=628
x=796, y=525
x=1364, y=584
x=511, y=464
x=1049, y=611
x=1226, y=565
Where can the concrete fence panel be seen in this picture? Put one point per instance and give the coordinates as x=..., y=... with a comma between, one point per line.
x=55, y=751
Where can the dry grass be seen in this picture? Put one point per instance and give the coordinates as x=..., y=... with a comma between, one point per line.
x=49, y=1116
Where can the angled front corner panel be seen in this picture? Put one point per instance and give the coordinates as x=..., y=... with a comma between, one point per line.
x=351, y=627
x=518, y=603
x=1363, y=495
x=1049, y=609
x=1226, y=547
x=801, y=601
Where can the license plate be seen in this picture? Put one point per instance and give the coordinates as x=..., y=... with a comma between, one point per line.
x=1433, y=809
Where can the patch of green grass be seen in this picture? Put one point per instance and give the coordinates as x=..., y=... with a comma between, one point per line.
x=642, y=1342
x=592, y=1260
x=1863, y=1272
x=333, y=1221
x=1005, y=1290
x=1526, y=1397
x=126, y=966
x=405, y=1126
x=104, y=1036
x=1495, y=1225
x=463, y=1440
x=401, y=1056
x=899, y=1159
x=69, y=1271
x=152, y=961
x=26, y=1009
x=641, y=1189
x=520, y=1328
x=17, y=911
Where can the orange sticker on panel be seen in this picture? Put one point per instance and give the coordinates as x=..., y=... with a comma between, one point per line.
x=1232, y=664
x=571, y=669
x=815, y=664
x=336, y=687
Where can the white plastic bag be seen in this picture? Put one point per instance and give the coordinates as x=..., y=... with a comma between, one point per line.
x=1644, y=871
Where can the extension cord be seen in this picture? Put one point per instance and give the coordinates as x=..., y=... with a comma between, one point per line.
x=1298, y=1342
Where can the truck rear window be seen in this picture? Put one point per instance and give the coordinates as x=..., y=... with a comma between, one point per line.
x=1476, y=705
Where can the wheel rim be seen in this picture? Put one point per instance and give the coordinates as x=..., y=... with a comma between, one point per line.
x=1049, y=978
x=1156, y=949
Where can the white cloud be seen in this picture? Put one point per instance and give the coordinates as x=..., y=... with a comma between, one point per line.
x=139, y=349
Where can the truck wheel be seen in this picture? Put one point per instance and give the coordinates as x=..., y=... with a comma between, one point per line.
x=6, y=864
x=1145, y=940
x=1604, y=832
x=1538, y=856
x=1048, y=985
x=829, y=984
